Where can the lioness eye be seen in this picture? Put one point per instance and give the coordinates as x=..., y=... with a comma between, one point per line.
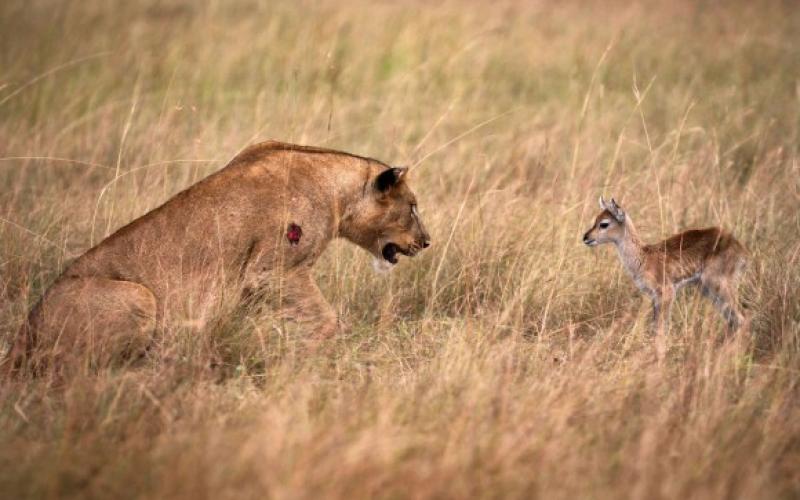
x=603, y=225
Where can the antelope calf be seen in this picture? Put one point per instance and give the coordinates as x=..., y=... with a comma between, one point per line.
x=709, y=257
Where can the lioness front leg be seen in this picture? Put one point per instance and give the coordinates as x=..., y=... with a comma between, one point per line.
x=303, y=302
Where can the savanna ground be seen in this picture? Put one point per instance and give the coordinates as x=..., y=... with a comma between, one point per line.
x=508, y=359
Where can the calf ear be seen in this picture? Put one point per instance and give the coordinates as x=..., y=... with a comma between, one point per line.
x=389, y=178
x=616, y=211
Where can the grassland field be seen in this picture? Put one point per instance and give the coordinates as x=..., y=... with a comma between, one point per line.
x=506, y=361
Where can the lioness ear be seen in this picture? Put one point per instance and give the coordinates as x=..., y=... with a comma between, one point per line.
x=389, y=178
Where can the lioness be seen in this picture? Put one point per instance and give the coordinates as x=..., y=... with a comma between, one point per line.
x=266, y=216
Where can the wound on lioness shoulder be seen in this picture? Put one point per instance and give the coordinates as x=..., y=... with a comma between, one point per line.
x=293, y=234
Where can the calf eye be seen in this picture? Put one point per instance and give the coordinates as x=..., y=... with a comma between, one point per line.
x=603, y=225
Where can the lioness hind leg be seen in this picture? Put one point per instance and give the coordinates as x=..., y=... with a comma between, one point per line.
x=89, y=322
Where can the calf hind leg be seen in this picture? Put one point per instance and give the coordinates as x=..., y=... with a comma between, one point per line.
x=723, y=294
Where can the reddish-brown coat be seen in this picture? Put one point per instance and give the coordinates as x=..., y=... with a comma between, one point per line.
x=710, y=257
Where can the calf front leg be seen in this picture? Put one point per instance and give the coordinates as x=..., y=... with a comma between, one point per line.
x=662, y=307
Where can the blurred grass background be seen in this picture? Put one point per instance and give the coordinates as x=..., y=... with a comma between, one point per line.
x=507, y=360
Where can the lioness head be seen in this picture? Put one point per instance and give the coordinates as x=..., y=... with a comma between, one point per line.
x=385, y=221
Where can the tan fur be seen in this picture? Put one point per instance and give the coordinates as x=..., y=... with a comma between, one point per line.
x=221, y=239
x=710, y=257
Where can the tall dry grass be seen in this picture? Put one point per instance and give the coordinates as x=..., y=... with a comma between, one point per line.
x=506, y=361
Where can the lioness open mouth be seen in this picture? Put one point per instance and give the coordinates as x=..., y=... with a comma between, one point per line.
x=392, y=250
x=389, y=252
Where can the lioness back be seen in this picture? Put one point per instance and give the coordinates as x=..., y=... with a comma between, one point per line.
x=216, y=221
